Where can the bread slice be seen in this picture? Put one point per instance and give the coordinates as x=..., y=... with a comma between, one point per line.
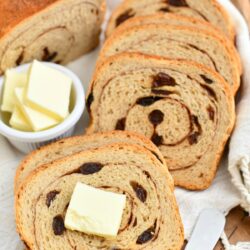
x=186, y=109
x=206, y=10
x=48, y=30
x=150, y=221
x=178, y=20
x=76, y=144
x=167, y=18
x=178, y=42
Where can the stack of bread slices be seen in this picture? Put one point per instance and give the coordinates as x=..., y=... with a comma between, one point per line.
x=166, y=75
x=119, y=162
x=169, y=70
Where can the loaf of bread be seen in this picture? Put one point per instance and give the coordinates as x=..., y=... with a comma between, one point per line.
x=48, y=30
x=206, y=10
x=76, y=144
x=186, y=109
x=178, y=42
x=150, y=220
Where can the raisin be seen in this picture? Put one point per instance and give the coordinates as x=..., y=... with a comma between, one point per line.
x=58, y=225
x=47, y=56
x=178, y=3
x=141, y=193
x=89, y=101
x=19, y=59
x=195, y=120
x=164, y=9
x=120, y=125
x=135, y=223
x=124, y=16
x=90, y=168
x=210, y=111
x=162, y=79
x=50, y=197
x=193, y=138
x=156, y=117
x=206, y=79
x=157, y=139
x=147, y=101
x=146, y=236
x=210, y=91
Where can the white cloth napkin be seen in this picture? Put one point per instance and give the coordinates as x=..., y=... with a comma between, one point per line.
x=222, y=194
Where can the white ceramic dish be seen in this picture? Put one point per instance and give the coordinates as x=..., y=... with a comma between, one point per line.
x=28, y=141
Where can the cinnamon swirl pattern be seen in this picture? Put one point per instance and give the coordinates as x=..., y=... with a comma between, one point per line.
x=184, y=108
x=178, y=42
x=150, y=219
x=72, y=145
x=56, y=31
x=205, y=10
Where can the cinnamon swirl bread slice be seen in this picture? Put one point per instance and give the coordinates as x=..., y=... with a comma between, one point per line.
x=167, y=18
x=206, y=10
x=186, y=109
x=178, y=42
x=150, y=220
x=177, y=20
x=48, y=30
x=76, y=144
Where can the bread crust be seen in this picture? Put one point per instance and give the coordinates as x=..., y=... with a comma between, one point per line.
x=204, y=183
x=200, y=25
x=77, y=140
x=14, y=12
x=127, y=4
x=35, y=174
x=232, y=52
x=59, y=39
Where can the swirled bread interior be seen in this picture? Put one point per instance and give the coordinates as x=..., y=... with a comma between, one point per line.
x=50, y=30
x=178, y=42
x=184, y=108
x=76, y=144
x=150, y=220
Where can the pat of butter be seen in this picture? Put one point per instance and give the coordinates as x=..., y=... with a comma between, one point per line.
x=12, y=81
x=37, y=120
x=18, y=121
x=48, y=91
x=94, y=211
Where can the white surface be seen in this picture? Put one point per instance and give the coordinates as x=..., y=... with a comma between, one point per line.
x=95, y=211
x=207, y=231
x=222, y=194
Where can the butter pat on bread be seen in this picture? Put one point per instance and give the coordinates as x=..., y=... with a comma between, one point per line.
x=94, y=211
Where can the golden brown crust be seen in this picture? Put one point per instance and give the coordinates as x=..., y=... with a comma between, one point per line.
x=233, y=54
x=205, y=182
x=231, y=28
x=36, y=172
x=15, y=11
